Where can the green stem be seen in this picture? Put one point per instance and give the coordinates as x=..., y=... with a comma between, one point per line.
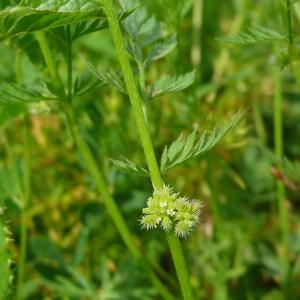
x=48, y=56
x=278, y=140
x=136, y=103
x=97, y=176
x=113, y=209
x=197, y=26
x=25, y=204
x=70, y=65
x=214, y=201
x=259, y=122
x=133, y=95
x=26, y=188
x=289, y=21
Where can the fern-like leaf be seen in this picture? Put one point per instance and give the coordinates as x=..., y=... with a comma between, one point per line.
x=172, y=84
x=255, y=35
x=186, y=148
x=109, y=77
x=128, y=166
x=11, y=94
x=50, y=14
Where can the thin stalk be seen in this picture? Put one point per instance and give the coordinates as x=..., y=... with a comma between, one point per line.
x=214, y=201
x=25, y=204
x=136, y=103
x=113, y=209
x=26, y=188
x=47, y=54
x=133, y=95
x=259, y=122
x=278, y=141
x=99, y=180
x=70, y=65
x=289, y=21
x=197, y=26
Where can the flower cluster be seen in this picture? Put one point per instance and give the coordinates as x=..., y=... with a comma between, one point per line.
x=171, y=212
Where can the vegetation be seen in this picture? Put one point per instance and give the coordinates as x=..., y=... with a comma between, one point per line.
x=149, y=149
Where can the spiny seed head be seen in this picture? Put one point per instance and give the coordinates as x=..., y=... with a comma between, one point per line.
x=171, y=212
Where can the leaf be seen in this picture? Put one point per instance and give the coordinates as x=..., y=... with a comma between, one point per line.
x=254, y=35
x=184, y=149
x=48, y=15
x=44, y=249
x=83, y=84
x=291, y=169
x=107, y=77
x=86, y=27
x=17, y=99
x=145, y=31
x=167, y=85
x=286, y=171
x=129, y=167
x=162, y=48
x=14, y=94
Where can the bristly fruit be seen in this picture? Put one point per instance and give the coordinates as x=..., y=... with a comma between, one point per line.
x=5, y=262
x=171, y=212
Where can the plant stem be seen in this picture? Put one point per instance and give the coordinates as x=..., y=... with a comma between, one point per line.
x=214, y=200
x=197, y=25
x=278, y=140
x=136, y=103
x=112, y=207
x=26, y=187
x=47, y=54
x=70, y=65
x=96, y=173
x=25, y=204
x=289, y=21
x=133, y=95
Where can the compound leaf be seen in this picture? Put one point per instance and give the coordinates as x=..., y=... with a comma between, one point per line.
x=128, y=166
x=50, y=14
x=11, y=93
x=85, y=27
x=108, y=77
x=184, y=149
x=253, y=36
x=173, y=84
x=162, y=48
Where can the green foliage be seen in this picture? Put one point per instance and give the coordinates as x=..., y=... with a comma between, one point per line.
x=169, y=85
x=162, y=48
x=130, y=167
x=110, y=78
x=291, y=169
x=48, y=15
x=5, y=262
x=14, y=94
x=17, y=99
x=187, y=148
x=80, y=29
x=254, y=36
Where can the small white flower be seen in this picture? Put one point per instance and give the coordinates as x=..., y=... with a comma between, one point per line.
x=170, y=211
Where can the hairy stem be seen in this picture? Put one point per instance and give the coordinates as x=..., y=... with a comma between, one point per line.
x=136, y=103
x=96, y=173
